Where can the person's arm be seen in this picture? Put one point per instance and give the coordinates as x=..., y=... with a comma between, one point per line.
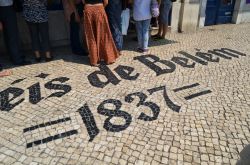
x=72, y=5
x=105, y=2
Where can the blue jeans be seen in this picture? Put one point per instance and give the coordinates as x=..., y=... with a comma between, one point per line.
x=142, y=29
x=114, y=12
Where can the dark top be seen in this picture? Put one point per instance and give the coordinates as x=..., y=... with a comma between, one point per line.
x=93, y=1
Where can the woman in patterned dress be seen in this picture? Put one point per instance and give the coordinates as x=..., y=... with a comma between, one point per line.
x=99, y=39
x=36, y=15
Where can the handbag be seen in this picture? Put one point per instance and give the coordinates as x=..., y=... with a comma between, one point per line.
x=155, y=11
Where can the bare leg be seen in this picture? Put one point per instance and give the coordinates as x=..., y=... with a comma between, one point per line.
x=47, y=54
x=165, y=29
x=37, y=54
x=160, y=29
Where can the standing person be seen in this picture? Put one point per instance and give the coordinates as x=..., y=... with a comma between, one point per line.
x=73, y=10
x=98, y=36
x=142, y=16
x=114, y=12
x=3, y=72
x=36, y=15
x=165, y=7
x=11, y=36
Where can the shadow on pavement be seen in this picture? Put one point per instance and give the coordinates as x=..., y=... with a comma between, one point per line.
x=64, y=52
x=244, y=156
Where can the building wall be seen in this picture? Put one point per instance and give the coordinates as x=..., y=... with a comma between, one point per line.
x=189, y=15
x=241, y=12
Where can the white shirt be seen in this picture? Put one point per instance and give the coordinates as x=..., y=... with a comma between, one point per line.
x=6, y=3
x=142, y=10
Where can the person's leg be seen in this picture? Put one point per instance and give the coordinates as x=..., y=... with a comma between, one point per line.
x=33, y=28
x=139, y=32
x=114, y=12
x=11, y=35
x=160, y=29
x=76, y=46
x=44, y=33
x=145, y=32
x=167, y=8
x=165, y=29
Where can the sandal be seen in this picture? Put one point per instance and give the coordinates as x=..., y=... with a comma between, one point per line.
x=155, y=36
x=158, y=38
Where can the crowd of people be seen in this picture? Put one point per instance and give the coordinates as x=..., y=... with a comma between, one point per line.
x=100, y=20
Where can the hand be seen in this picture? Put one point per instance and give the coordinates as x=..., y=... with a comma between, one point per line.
x=77, y=18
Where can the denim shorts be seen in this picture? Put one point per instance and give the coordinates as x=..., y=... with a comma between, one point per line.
x=164, y=13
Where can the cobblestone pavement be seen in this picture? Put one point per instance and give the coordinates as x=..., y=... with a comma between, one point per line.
x=186, y=103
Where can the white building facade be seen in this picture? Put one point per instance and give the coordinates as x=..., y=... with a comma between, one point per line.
x=189, y=15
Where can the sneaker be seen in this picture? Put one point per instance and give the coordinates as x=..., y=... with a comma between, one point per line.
x=145, y=50
x=140, y=50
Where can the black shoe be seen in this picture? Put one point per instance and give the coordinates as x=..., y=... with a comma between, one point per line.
x=80, y=53
x=38, y=59
x=48, y=59
x=23, y=63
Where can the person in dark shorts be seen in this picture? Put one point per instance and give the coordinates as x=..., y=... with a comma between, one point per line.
x=165, y=8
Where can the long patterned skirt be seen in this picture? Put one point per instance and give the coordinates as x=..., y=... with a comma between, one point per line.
x=98, y=36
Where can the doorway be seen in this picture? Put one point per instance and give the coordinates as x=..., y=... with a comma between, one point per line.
x=219, y=12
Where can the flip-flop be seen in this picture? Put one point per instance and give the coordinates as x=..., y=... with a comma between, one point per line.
x=5, y=73
x=155, y=36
